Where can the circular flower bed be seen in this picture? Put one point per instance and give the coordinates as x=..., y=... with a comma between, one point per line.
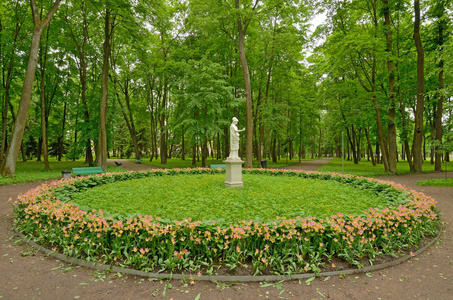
x=205, y=198
x=280, y=246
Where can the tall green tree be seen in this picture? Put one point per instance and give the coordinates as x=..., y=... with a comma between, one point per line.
x=9, y=166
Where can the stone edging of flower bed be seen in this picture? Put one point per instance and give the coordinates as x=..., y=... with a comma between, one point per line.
x=224, y=278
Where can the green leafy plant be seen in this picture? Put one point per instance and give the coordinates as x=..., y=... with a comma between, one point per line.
x=281, y=245
x=205, y=198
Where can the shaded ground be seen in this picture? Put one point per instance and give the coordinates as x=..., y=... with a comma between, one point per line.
x=29, y=274
x=129, y=165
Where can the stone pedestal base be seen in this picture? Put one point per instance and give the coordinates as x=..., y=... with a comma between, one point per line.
x=233, y=169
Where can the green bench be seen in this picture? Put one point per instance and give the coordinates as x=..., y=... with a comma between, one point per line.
x=221, y=166
x=87, y=170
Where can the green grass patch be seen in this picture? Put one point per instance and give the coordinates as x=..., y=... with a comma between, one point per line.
x=365, y=168
x=31, y=170
x=174, y=163
x=204, y=197
x=443, y=182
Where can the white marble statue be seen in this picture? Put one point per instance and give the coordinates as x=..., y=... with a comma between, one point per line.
x=234, y=138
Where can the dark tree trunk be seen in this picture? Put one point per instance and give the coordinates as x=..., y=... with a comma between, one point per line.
x=226, y=142
x=43, y=61
x=378, y=153
x=108, y=35
x=242, y=29
x=219, y=147
x=204, y=151
x=391, y=82
x=440, y=100
x=370, y=148
x=183, y=145
x=432, y=130
x=194, y=154
x=127, y=115
x=418, y=131
x=274, y=150
x=163, y=133
x=63, y=123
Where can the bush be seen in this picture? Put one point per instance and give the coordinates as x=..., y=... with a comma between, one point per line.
x=283, y=246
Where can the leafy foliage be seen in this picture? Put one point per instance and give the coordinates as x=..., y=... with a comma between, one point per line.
x=437, y=182
x=205, y=198
x=284, y=246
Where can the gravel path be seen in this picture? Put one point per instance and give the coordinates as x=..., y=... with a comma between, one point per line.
x=27, y=274
x=129, y=165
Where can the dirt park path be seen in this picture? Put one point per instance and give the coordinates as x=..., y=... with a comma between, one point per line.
x=28, y=274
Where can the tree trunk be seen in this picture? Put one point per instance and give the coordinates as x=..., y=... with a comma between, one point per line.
x=242, y=28
x=274, y=150
x=183, y=146
x=391, y=80
x=83, y=77
x=226, y=142
x=258, y=123
x=406, y=152
x=108, y=33
x=378, y=154
x=351, y=140
x=219, y=147
x=440, y=100
x=418, y=131
x=404, y=134
x=150, y=101
x=319, y=139
x=403, y=152
x=432, y=131
x=60, y=152
x=300, y=134
x=43, y=61
x=163, y=133
x=7, y=85
x=204, y=151
x=194, y=154
x=6, y=103
x=370, y=148
x=128, y=117
x=9, y=167
x=424, y=147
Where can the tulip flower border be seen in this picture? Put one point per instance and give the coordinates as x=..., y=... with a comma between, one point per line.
x=280, y=246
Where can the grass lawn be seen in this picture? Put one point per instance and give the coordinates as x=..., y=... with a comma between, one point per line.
x=32, y=170
x=443, y=182
x=366, y=168
x=204, y=197
x=173, y=163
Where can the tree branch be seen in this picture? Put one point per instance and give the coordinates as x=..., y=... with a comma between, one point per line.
x=50, y=14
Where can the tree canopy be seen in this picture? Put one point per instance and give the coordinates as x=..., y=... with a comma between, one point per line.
x=163, y=78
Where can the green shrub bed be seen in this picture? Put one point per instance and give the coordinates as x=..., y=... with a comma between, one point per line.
x=205, y=198
x=279, y=245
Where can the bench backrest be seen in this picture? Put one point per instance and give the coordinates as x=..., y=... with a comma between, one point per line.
x=221, y=166
x=87, y=170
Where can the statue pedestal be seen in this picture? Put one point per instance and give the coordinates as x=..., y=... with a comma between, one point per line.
x=233, y=167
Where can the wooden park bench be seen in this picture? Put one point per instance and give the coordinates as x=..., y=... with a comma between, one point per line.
x=87, y=170
x=221, y=166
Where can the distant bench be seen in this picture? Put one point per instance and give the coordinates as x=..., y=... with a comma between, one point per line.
x=87, y=170
x=221, y=166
